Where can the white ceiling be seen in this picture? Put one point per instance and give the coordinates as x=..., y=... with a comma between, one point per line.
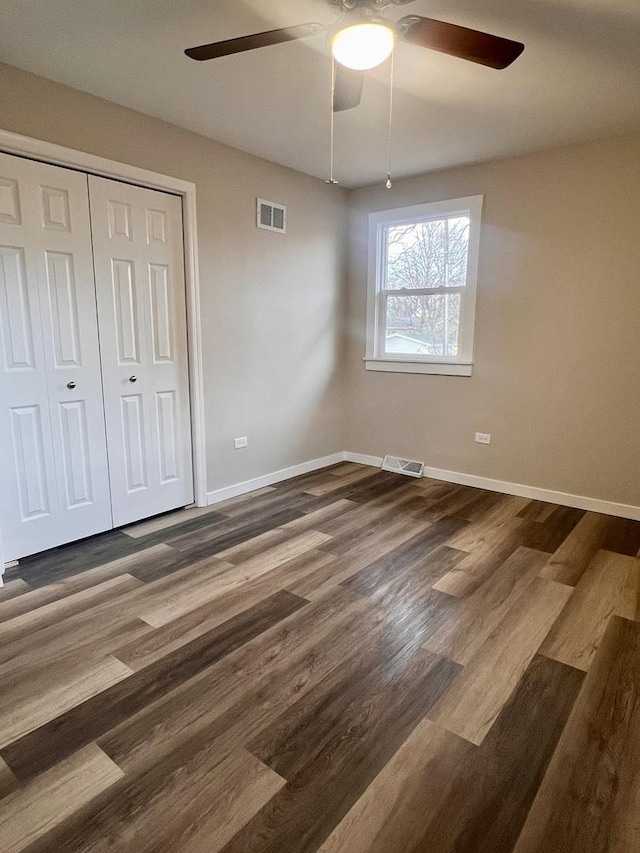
x=578, y=78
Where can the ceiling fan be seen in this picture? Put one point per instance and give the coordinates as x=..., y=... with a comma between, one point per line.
x=361, y=40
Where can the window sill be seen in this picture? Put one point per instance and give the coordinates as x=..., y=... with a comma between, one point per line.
x=445, y=368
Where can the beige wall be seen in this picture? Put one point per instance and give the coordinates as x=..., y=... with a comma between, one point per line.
x=270, y=303
x=557, y=358
x=557, y=368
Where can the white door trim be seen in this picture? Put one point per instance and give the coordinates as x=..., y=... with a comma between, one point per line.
x=58, y=155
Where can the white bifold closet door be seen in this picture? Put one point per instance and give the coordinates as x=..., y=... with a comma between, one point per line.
x=54, y=483
x=139, y=271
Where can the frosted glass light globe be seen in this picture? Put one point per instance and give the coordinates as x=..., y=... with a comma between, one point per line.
x=362, y=46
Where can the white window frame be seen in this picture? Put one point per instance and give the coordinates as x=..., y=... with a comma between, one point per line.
x=375, y=357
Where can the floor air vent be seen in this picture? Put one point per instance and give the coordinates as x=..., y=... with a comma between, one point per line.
x=403, y=466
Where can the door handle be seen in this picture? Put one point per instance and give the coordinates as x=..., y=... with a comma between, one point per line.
x=71, y=385
x=133, y=379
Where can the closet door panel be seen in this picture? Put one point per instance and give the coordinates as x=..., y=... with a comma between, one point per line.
x=53, y=446
x=139, y=264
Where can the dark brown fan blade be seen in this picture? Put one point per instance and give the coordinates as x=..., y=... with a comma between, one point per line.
x=348, y=90
x=238, y=45
x=485, y=49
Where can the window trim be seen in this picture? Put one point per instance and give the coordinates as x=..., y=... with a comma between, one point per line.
x=375, y=357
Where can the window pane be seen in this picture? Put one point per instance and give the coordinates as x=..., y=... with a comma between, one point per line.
x=423, y=325
x=427, y=254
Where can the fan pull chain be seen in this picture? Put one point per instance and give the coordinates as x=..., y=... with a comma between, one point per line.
x=332, y=180
x=389, y=183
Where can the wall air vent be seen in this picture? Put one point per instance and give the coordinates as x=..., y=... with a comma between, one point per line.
x=403, y=466
x=271, y=216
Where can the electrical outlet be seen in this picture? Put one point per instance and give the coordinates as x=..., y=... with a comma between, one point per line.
x=240, y=442
x=483, y=438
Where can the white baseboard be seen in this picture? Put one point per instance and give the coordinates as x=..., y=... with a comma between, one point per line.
x=518, y=489
x=275, y=477
x=363, y=459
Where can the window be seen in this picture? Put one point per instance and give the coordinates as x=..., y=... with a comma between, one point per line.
x=423, y=263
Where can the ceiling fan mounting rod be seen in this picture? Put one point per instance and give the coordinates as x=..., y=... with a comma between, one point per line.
x=376, y=5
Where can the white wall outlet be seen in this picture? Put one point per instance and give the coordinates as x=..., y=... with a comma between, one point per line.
x=240, y=442
x=483, y=438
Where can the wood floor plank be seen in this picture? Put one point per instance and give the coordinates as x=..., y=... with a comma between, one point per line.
x=278, y=501
x=166, y=606
x=159, y=642
x=256, y=545
x=405, y=796
x=571, y=559
x=409, y=601
x=550, y=534
x=250, y=497
x=374, y=639
x=474, y=618
x=464, y=502
x=481, y=506
x=11, y=607
x=536, y=511
x=335, y=483
x=494, y=787
x=489, y=525
x=182, y=581
x=208, y=535
x=623, y=536
x=84, y=635
x=479, y=693
x=194, y=525
x=32, y=811
x=434, y=488
x=413, y=609
x=238, y=696
x=8, y=781
x=344, y=701
x=368, y=489
x=139, y=564
x=166, y=520
x=23, y=711
x=365, y=533
x=198, y=790
x=139, y=559
x=86, y=721
x=234, y=577
x=13, y=588
x=312, y=520
x=416, y=549
x=330, y=765
x=45, y=594
x=369, y=515
x=448, y=501
x=208, y=542
x=151, y=564
x=441, y=794
x=588, y=801
x=34, y=620
x=182, y=585
x=244, y=786
x=379, y=542
x=610, y=585
x=498, y=545
x=343, y=468
x=303, y=482
x=44, y=569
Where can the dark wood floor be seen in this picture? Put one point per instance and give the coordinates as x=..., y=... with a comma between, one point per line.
x=350, y=661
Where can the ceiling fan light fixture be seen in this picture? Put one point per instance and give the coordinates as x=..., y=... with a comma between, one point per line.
x=363, y=45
